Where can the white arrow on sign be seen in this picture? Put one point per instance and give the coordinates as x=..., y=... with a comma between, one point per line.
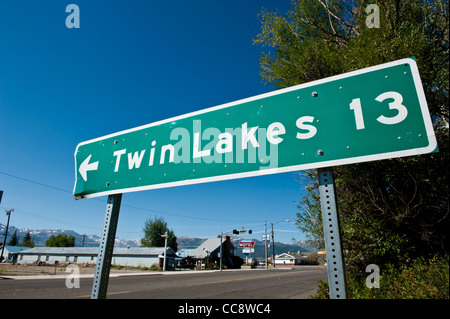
x=86, y=166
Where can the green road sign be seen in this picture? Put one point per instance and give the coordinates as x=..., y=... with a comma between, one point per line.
x=371, y=114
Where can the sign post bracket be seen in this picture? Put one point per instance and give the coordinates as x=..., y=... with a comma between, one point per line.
x=100, y=284
x=332, y=235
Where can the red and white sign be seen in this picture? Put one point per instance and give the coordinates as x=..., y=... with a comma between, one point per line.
x=246, y=244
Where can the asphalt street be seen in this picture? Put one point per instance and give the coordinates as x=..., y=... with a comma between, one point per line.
x=299, y=282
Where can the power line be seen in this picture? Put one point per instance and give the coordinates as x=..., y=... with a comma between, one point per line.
x=124, y=205
x=238, y=223
x=59, y=221
x=37, y=183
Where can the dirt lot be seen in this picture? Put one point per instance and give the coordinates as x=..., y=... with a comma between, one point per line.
x=34, y=270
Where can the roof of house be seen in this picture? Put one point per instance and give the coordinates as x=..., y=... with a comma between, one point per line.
x=61, y=251
x=141, y=251
x=285, y=256
x=296, y=255
x=15, y=249
x=93, y=251
x=207, y=247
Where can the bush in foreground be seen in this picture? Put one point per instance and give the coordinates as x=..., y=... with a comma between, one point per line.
x=421, y=279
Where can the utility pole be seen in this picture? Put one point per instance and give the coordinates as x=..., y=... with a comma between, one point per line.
x=221, y=250
x=273, y=239
x=8, y=212
x=273, y=247
x=265, y=243
x=165, y=249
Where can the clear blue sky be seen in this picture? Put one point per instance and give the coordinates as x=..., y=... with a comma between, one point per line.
x=130, y=63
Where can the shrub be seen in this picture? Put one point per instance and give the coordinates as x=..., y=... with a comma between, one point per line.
x=421, y=279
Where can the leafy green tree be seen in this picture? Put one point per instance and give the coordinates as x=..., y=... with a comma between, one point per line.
x=309, y=218
x=27, y=241
x=14, y=240
x=60, y=240
x=153, y=229
x=390, y=210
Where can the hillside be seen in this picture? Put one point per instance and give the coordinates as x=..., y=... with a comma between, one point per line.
x=40, y=236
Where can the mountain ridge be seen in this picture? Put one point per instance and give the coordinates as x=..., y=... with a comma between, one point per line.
x=186, y=243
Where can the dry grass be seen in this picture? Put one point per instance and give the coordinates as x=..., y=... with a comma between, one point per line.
x=34, y=270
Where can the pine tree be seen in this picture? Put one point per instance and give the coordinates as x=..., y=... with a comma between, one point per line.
x=27, y=241
x=14, y=240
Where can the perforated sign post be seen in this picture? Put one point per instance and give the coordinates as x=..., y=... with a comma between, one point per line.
x=370, y=114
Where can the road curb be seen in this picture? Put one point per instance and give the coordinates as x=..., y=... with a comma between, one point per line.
x=113, y=274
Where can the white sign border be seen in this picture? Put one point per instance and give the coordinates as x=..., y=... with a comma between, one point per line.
x=351, y=160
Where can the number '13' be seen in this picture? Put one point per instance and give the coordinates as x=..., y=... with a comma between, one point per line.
x=355, y=105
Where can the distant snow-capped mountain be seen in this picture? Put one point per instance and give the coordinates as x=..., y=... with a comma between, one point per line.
x=40, y=236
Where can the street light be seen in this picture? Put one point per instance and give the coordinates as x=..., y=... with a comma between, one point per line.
x=165, y=249
x=273, y=239
x=207, y=252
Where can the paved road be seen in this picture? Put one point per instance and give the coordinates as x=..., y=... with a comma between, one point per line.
x=292, y=283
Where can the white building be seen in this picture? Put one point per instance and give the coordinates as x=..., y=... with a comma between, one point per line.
x=10, y=253
x=298, y=258
x=285, y=259
x=134, y=257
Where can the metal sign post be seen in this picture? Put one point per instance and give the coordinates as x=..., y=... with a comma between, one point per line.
x=100, y=285
x=332, y=235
